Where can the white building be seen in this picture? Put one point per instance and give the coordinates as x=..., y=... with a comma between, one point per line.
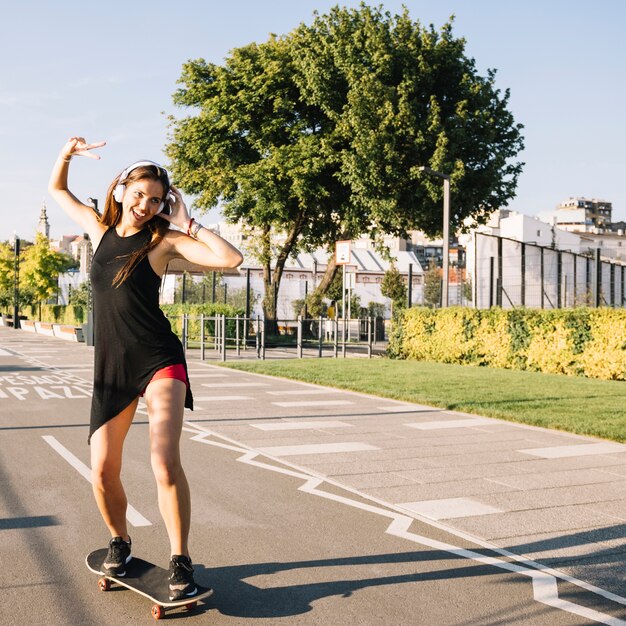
x=302, y=274
x=581, y=215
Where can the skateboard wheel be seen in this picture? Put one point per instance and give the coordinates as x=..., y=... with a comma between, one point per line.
x=104, y=584
x=157, y=611
x=191, y=606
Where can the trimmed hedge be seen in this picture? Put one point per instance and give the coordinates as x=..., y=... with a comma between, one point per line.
x=578, y=342
x=57, y=314
x=76, y=315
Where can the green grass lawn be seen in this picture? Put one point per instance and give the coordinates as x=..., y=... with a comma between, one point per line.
x=577, y=405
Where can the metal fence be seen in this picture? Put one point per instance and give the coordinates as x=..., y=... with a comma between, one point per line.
x=511, y=273
x=217, y=335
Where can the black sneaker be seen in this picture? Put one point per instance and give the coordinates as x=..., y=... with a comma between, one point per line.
x=182, y=584
x=118, y=555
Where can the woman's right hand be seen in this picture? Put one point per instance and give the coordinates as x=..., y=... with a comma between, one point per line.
x=77, y=146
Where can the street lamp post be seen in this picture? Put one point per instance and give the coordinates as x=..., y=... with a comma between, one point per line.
x=446, y=231
x=16, y=283
x=88, y=328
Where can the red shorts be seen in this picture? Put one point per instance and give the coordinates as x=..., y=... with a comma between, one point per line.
x=171, y=371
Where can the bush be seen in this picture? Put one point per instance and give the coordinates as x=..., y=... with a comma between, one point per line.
x=57, y=314
x=588, y=342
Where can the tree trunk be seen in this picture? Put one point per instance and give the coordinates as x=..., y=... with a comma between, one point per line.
x=269, y=299
x=328, y=277
x=272, y=279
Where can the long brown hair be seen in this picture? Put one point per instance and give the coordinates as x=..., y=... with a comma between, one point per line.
x=113, y=214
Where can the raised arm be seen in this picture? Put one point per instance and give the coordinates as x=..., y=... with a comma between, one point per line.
x=81, y=213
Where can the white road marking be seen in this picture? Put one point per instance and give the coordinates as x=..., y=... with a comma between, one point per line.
x=221, y=398
x=543, y=578
x=132, y=514
x=464, y=423
x=203, y=375
x=449, y=508
x=317, y=448
x=37, y=351
x=560, y=452
x=407, y=408
x=242, y=384
x=299, y=425
x=5, y=353
x=301, y=392
x=314, y=403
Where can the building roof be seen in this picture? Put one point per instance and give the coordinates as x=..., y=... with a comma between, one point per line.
x=363, y=259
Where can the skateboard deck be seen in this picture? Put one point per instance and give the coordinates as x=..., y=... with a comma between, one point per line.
x=144, y=578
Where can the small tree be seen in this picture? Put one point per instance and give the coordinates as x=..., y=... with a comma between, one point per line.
x=394, y=288
x=40, y=269
x=6, y=275
x=80, y=296
x=432, y=286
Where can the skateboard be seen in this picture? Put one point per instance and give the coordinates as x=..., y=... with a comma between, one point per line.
x=144, y=578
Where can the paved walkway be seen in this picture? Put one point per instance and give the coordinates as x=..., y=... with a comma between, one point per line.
x=555, y=498
x=534, y=494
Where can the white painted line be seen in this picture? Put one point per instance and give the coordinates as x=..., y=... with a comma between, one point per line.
x=543, y=578
x=314, y=403
x=317, y=448
x=5, y=353
x=221, y=398
x=193, y=374
x=560, y=452
x=132, y=514
x=301, y=392
x=449, y=508
x=37, y=351
x=395, y=408
x=300, y=425
x=243, y=384
x=464, y=423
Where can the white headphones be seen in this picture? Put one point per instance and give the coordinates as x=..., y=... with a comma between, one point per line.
x=118, y=192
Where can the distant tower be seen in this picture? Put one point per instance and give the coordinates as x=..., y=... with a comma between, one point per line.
x=44, y=226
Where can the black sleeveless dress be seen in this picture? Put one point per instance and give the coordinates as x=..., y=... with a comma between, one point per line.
x=132, y=337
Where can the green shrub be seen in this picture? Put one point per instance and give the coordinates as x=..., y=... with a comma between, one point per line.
x=582, y=341
x=57, y=314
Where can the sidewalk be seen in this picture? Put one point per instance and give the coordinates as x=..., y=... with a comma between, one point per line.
x=552, y=497
x=555, y=498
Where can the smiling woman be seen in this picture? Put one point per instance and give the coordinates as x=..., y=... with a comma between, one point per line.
x=136, y=352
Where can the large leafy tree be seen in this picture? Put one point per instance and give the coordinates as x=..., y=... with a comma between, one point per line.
x=320, y=134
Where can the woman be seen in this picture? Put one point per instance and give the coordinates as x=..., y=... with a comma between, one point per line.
x=136, y=353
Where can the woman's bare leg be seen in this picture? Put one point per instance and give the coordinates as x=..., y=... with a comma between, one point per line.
x=106, y=466
x=165, y=398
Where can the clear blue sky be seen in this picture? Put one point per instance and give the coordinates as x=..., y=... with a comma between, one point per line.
x=107, y=70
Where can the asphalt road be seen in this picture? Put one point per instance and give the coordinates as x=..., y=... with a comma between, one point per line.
x=280, y=542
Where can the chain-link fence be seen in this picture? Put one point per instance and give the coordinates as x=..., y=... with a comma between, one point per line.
x=511, y=273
